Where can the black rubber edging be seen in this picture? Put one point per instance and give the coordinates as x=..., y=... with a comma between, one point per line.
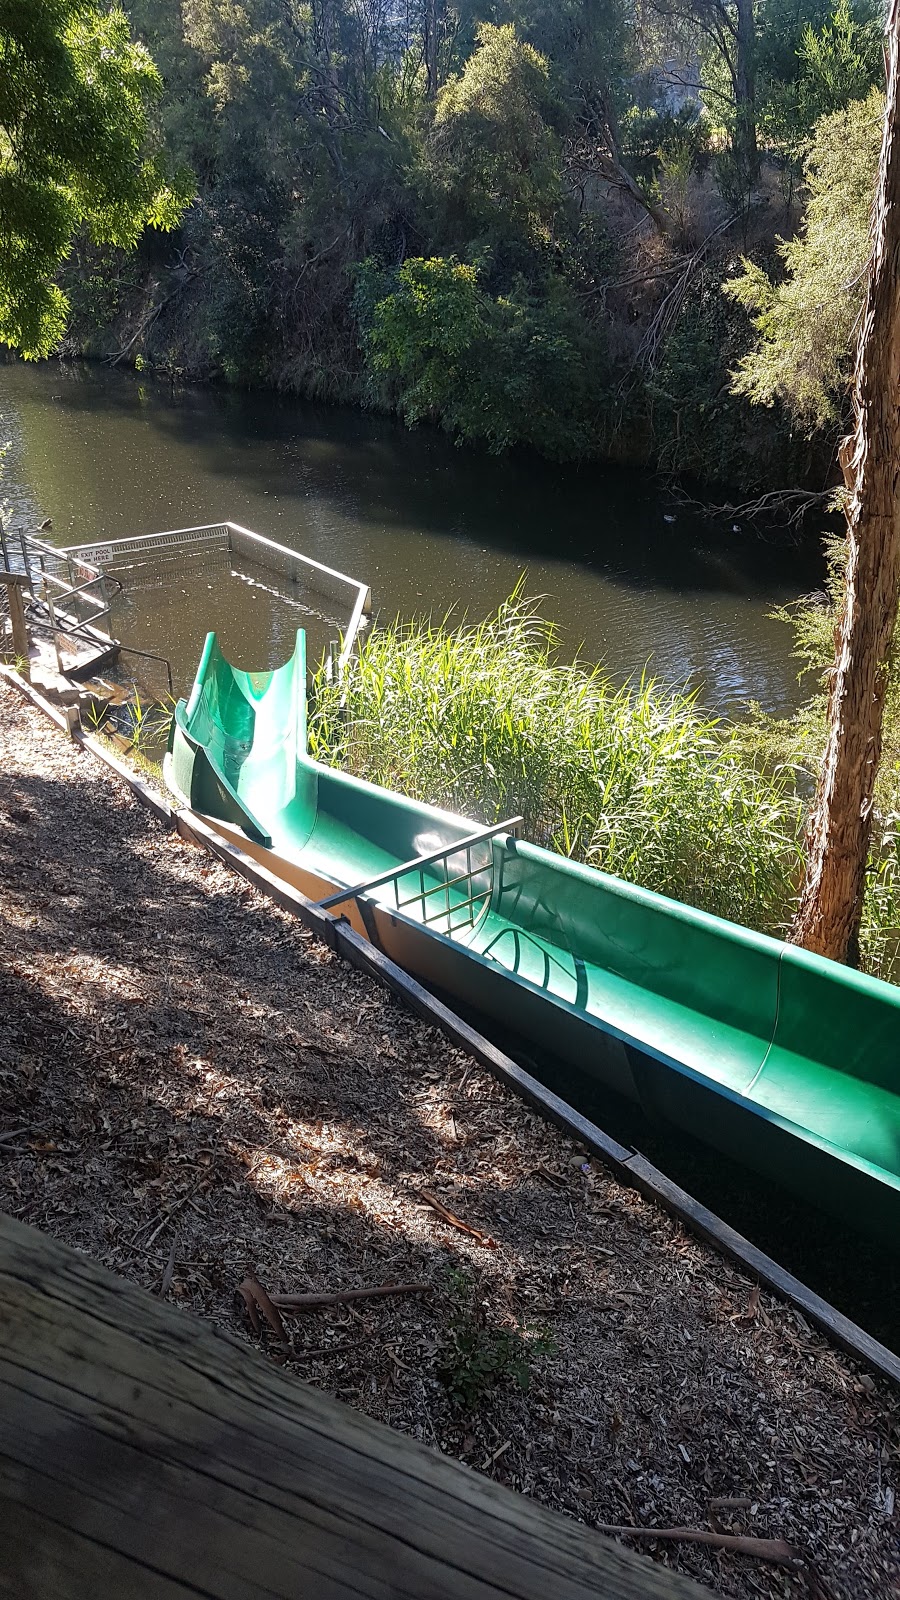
x=629, y=1166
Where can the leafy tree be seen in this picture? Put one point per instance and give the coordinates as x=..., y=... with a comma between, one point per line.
x=813, y=64
x=76, y=95
x=841, y=63
x=804, y=324
x=840, y=825
x=721, y=35
x=511, y=370
x=513, y=138
x=494, y=149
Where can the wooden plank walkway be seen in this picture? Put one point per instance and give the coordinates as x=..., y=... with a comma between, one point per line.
x=144, y=1454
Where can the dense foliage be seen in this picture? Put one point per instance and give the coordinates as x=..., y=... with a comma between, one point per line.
x=486, y=721
x=76, y=94
x=797, y=744
x=509, y=217
x=805, y=320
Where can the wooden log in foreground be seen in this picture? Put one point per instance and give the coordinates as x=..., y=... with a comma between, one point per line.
x=144, y=1455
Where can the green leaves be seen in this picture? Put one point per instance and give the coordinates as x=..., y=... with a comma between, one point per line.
x=518, y=369
x=841, y=63
x=476, y=1357
x=494, y=149
x=805, y=324
x=76, y=94
x=485, y=721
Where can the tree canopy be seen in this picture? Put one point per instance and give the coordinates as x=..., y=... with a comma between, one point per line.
x=76, y=94
x=804, y=321
x=569, y=182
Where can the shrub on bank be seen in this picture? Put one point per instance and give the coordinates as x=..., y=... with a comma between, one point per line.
x=486, y=721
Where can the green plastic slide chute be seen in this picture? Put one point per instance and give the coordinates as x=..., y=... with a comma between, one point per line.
x=237, y=751
x=239, y=741
x=782, y=1060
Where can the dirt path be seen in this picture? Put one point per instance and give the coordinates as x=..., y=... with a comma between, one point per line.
x=189, y=1084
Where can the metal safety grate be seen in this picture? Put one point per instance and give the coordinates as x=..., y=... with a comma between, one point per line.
x=446, y=895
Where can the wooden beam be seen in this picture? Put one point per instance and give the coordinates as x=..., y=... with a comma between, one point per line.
x=15, y=582
x=144, y=1454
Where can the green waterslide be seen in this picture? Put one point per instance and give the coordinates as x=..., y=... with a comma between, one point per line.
x=781, y=1059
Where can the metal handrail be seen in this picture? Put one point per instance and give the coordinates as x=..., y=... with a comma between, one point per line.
x=45, y=560
x=67, y=590
x=34, y=550
x=419, y=862
x=149, y=655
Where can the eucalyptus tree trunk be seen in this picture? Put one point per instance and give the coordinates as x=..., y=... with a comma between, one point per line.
x=745, y=91
x=431, y=48
x=830, y=907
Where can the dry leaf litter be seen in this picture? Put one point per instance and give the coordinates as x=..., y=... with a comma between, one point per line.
x=191, y=1086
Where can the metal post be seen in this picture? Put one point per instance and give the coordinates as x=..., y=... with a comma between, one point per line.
x=25, y=567
x=48, y=602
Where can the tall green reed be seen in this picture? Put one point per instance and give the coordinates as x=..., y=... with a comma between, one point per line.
x=484, y=719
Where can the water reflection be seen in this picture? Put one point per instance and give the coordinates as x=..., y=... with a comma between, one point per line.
x=108, y=454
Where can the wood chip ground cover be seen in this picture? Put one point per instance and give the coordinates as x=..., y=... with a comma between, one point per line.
x=191, y=1086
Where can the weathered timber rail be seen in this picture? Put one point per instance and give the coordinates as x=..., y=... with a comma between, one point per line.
x=144, y=1454
x=629, y=1166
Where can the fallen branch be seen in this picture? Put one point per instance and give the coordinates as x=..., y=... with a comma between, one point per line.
x=312, y=1302
x=147, y=322
x=163, y=1223
x=253, y=1294
x=786, y=507
x=778, y=1551
x=169, y=1272
x=313, y=1351
x=672, y=303
x=455, y=1221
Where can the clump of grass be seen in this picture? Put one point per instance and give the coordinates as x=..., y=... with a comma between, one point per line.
x=477, y=1356
x=485, y=720
x=141, y=726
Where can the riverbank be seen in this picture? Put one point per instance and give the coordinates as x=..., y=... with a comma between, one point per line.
x=190, y=1085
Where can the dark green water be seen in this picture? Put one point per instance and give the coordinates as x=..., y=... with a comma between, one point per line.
x=626, y=573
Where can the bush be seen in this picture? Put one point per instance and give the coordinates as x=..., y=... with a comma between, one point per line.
x=477, y=1357
x=806, y=324
x=518, y=369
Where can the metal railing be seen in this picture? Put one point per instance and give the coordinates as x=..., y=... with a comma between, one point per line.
x=433, y=902
x=150, y=655
x=61, y=582
x=215, y=536
x=72, y=594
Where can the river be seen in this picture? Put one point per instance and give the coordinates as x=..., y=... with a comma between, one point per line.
x=630, y=576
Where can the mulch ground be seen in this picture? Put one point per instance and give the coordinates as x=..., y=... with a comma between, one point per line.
x=190, y=1086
